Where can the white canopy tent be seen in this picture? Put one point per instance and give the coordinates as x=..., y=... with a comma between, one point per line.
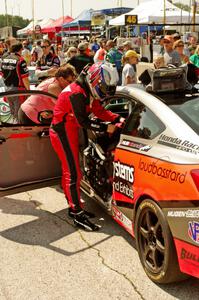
x=43, y=23
x=153, y=12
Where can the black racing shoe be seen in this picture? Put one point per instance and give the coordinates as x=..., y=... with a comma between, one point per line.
x=83, y=222
x=89, y=214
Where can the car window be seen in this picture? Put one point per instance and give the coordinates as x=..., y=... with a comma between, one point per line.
x=121, y=106
x=189, y=112
x=30, y=108
x=143, y=123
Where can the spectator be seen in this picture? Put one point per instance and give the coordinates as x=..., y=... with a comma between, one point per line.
x=72, y=51
x=48, y=63
x=60, y=54
x=161, y=43
x=114, y=56
x=192, y=50
x=171, y=56
x=179, y=47
x=101, y=53
x=129, y=59
x=36, y=53
x=176, y=37
x=158, y=63
x=38, y=109
x=95, y=47
x=127, y=46
x=82, y=59
x=26, y=53
x=194, y=59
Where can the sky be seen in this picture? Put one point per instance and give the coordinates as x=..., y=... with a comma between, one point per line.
x=54, y=9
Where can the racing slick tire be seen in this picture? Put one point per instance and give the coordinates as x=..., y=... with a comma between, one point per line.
x=155, y=244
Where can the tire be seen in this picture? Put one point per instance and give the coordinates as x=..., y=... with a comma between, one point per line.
x=155, y=244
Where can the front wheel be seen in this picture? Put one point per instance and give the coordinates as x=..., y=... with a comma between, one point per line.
x=155, y=244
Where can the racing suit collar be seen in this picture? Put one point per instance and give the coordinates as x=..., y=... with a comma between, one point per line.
x=82, y=82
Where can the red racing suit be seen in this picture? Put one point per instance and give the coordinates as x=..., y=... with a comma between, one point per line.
x=70, y=113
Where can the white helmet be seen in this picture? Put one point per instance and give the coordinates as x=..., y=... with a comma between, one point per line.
x=102, y=79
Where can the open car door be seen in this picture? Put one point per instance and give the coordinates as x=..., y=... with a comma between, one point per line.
x=27, y=157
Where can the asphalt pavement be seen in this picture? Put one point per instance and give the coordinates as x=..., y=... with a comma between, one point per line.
x=43, y=256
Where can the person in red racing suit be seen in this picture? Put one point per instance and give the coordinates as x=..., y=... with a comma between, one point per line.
x=71, y=112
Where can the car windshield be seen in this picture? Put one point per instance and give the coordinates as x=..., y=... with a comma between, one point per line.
x=186, y=107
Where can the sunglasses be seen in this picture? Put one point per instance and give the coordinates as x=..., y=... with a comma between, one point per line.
x=167, y=42
x=44, y=47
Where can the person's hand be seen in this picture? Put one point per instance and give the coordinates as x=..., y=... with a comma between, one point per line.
x=111, y=128
x=122, y=120
x=52, y=71
x=46, y=114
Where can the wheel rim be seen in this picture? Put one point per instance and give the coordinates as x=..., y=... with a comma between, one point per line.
x=151, y=241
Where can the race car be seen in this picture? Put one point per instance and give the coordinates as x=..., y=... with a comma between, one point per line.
x=146, y=175
x=151, y=174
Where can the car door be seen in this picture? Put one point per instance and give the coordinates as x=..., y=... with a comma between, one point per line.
x=136, y=140
x=27, y=157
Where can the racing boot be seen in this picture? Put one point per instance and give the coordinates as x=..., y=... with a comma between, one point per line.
x=87, y=213
x=81, y=220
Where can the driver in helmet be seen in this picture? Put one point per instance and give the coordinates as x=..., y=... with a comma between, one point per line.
x=71, y=112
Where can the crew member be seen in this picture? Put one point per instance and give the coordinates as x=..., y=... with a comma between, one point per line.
x=15, y=74
x=38, y=109
x=71, y=112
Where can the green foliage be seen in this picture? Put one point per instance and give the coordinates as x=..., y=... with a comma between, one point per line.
x=13, y=21
x=183, y=6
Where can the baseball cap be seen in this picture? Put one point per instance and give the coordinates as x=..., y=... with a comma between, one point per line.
x=127, y=43
x=131, y=53
x=83, y=46
x=168, y=38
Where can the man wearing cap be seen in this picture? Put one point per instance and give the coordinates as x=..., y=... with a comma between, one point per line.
x=170, y=56
x=82, y=59
x=129, y=59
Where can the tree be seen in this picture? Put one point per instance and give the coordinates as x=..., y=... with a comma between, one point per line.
x=13, y=21
x=183, y=6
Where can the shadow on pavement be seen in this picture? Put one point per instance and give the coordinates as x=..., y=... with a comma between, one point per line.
x=49, y=228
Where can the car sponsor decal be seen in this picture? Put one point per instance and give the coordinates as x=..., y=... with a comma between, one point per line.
x=188, y=257
x=123, y=178
x=122, y=218
x=193, y=231
x=154, y=169
x=136, y=145
x=174, y=142
x=183, y=213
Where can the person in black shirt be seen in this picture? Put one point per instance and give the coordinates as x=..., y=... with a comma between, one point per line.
x=47, y=65
x=82, y=59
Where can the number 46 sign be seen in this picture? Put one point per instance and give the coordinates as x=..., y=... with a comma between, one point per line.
x=131, y=19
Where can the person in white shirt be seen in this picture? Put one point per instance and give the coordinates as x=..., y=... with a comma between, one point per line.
x=129, y=59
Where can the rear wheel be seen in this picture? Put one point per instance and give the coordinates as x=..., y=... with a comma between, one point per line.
x=155, y=244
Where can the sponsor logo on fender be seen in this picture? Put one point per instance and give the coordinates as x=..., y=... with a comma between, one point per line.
x=154, y=169
x=187, y=255
x=193, y=231
x=123, y=179
x=183, y=214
